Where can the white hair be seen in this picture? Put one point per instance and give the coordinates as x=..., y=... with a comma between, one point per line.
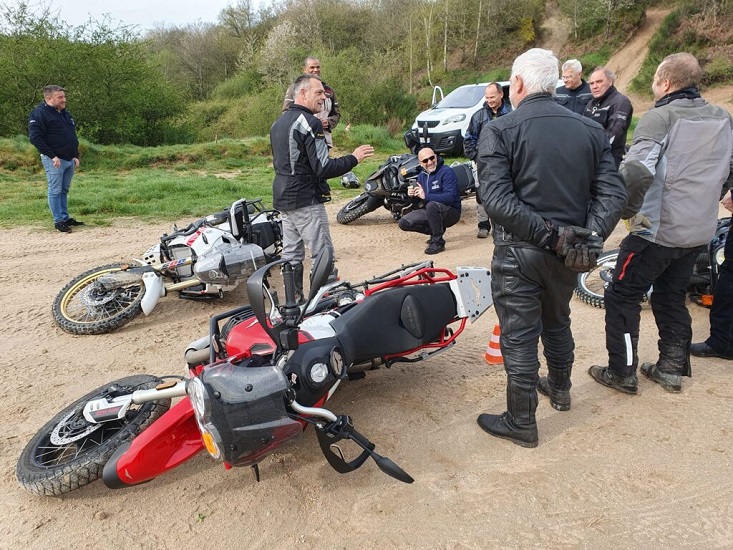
x=539, y=70
x=572, y=64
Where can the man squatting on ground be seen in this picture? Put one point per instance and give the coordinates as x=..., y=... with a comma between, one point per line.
x=302, y=168
x=550, y=186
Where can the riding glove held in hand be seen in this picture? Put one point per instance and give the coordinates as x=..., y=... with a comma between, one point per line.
x=563, y=238
x=638, y=224
x=584, y=255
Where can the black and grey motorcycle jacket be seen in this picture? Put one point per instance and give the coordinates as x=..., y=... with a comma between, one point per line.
x=542, y=166
x=301, y=161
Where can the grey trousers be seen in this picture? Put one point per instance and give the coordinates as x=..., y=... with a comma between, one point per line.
x=305, y=227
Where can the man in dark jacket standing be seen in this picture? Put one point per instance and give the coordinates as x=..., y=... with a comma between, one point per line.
x=675, y=172
x=492, y=108
x=611, y=109
x=302, y=168
x=51, y=129
x=575, y=92
x=551, y=188
x=438, y=188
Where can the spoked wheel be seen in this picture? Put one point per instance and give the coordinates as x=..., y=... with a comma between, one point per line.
x=84, y=306
x=358, y=207
x=592, y=284
x=70, y=452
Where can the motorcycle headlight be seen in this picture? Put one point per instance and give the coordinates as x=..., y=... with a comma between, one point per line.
x=202, y=411
x=455, y=118
x=719, y=256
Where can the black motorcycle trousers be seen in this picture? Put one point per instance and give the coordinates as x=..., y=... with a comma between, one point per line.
x=431, y=220
x=531, y=289
x=640, y=265
x=721, y=314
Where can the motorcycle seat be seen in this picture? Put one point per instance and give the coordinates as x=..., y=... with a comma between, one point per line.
x=395, y=320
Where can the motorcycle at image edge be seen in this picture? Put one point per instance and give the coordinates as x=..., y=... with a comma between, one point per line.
x=261, y=376
x=210, y=256
x=592, y=285
x=388, y=185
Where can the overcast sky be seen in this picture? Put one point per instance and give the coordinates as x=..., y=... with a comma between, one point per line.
x=144, y=13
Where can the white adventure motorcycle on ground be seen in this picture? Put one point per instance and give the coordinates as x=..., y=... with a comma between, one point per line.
x=211, y=256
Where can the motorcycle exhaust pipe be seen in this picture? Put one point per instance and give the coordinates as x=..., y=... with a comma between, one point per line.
x=366, y=365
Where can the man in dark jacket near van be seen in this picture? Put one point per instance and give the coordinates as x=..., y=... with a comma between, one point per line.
x=611, y=109
x=575, y=92
x=551, y=189
x=492, y=108
x=302, y=168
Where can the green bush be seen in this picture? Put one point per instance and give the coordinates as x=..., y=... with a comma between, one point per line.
x=719, y=69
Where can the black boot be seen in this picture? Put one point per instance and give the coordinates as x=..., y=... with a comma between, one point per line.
x=673, y=364
x=298, y=283
x=518, y=424
x=556, y=386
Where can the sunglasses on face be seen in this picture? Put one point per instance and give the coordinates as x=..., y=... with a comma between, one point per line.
x=429, y=159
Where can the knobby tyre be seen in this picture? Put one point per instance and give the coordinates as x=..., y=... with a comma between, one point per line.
x=82, y=307
x=69, y=452
x=592, y=284
x=358, y=207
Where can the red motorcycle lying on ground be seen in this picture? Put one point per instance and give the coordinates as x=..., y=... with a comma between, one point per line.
x=259, y=379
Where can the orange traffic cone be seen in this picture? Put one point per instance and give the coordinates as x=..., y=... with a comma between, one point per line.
x=493, y=351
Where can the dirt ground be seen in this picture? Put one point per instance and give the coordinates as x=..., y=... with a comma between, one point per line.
x=617, y=471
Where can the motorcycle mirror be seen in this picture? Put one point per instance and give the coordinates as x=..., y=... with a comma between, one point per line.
x=321, y=271
x=391, y=469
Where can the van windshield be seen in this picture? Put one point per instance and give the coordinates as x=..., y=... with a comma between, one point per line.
x=462, y=98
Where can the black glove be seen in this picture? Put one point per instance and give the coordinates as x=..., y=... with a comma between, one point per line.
x=584, y=255
x=564, y=238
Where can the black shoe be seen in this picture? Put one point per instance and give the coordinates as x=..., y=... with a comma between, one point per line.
x=72, y=222
x=483, y=233
x=604, y=375
x=61, y=226
x=670, y=382
x=559, y=399
x=503, y=426
x=702, y=349
x=434, y=248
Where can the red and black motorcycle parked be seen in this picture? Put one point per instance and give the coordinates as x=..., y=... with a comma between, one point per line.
x=260, y=378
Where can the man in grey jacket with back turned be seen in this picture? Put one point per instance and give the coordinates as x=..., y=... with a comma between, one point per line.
x=675, y=170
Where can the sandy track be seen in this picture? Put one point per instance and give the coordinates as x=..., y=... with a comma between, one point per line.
x=652, y=470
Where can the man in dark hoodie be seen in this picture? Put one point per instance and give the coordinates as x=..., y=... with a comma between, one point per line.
x=611, y=109
x=438, y=188
x=302, y=168
x=52, y=131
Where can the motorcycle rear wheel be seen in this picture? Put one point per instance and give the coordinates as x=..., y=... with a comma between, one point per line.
x=80, y=309
x=46, y=468
x=358, y=207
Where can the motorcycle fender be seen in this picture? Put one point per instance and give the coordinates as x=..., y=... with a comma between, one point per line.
x=154, y=290
x=167, y=443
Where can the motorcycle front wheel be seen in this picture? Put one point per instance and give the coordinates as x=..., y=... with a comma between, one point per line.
x=83, y=307
x=358, y=207
x=70, y=452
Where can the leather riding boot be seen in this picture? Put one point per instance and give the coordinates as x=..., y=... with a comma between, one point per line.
x=518, y=423
x=673, y=364
x=298, y=280
x=556, y=386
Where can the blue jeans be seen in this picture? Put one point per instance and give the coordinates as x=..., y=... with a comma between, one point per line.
x=59, y=182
